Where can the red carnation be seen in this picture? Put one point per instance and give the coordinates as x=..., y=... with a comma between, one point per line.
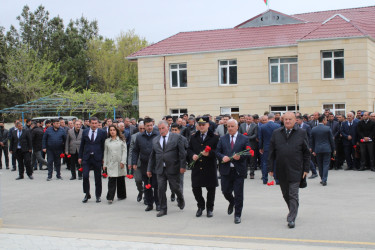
x=80, y=169
x=362, y=140
x=62, y=155
x=105, y=175
x=130, y=176
x=69, y=156
x=248, y=147
x=244, y=133
x=148, y=186
x=251, y=153
x=207, y=149
x=271, y=183
x=332, y=159
x=355, y=146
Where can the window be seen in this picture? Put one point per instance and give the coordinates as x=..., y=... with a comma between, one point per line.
x=178, y=112
x=335, y=108
x=234, y=112
x=284, y=109
x=333, y=64
x=228, y=72
x=178, y=75
x=283, y=70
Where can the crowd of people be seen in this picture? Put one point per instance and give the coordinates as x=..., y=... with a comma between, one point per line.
x=284, y=147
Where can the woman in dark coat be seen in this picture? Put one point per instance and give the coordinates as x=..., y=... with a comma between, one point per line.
x=204, y=170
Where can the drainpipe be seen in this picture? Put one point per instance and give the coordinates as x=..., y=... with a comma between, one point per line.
x=295, y=100
x=165, y=90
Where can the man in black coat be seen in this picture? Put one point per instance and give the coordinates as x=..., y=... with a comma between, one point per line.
x=204, y=172
x=365, y=134
x=141, y=153
x=36, y=139
x=20, y=145
x=4, y=145
x=289, y=148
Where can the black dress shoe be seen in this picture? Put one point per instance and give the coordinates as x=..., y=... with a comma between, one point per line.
x=173, y=197
x=199, y=212
x=72, y=178
x=19, y=178
x=181, y=204
x=80, y=178
x=251, y=176
x=31, y=177
x=373, y=169
x=87, y=197
x=291, y=224
x=361, y=169
x=139, y=197
x=230, y=208
x=237, y=220
x=158, y=208
x=346, y=169
x=149, y=208
x=13, y=169
x=98, y=200
x=161, y=213
x=313, y=176
x=209, y=213
x=324, y=183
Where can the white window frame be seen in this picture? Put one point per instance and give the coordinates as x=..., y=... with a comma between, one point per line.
x=278, y=64
x=288, y=108
x=180, y=111
x=229, y=64
x=332, y=60
x=229, y=111
x=178, y=69
x=334, y=108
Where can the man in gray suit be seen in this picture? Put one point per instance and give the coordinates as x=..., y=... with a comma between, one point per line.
x=72, y=144
x=322, y=147
x=222, y=130
x=168, y=157
x=250, y=129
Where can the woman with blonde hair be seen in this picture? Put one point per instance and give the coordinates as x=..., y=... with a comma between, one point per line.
x=115, y=151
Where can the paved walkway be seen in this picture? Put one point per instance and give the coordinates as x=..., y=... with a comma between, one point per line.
x=46, y=215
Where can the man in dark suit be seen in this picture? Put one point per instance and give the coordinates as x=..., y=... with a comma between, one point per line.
x=232, y=167
x=366, y=132
x=265, y=134
x=91, y=157
x=307, y=128
x=204, y=171
x=250, y=129
x=168, y=160
x=349, y=133
x=313, y=123
x=289, y=148
x=20, y=145
x=339, y=146
x=72, y=145
x=335, y=129
x=10, y=133
x=4, y=145
x=322, y=146
x=141, y=153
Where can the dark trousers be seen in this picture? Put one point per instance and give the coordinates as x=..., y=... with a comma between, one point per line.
x=290, y=193
x=367, y=152
x=323, y=160
x=174, y=184
x=4, y=150
x=233, y=183
x=91, y=163
x=23, y=159
x=37, y=156
x=53, y=159
x=119, y=183
x=151, y=195
x=340, y=154
x=197, y=191
x=74, y=166
x=350, y=156
x=138, y=180
x=14, y=161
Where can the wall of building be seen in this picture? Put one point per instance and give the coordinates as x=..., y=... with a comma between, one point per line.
x=371, y=74
x=353, y=90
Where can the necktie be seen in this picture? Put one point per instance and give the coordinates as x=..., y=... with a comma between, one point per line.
x=92, y=135
x=316, y=123
x=232, y=142
x=163, y=143
x=202, y=137
x=19, y=133
x=287, y=133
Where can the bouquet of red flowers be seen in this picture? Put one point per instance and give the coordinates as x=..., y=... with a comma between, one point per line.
x=148, y=186
x=80, y=169
x=247, y=151
x=62, y=155
x=130, y=176
x=105, y=175
x=207, y=149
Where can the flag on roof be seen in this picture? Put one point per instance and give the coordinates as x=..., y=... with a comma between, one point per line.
x=266, y=2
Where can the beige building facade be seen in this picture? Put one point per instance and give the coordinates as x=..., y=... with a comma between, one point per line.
x=306, y=75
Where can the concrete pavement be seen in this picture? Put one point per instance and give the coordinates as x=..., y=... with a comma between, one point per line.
x=340, y=215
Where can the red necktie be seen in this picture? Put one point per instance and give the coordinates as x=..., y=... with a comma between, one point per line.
x=231, y=142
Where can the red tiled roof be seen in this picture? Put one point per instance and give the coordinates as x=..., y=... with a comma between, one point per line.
x=318, y=26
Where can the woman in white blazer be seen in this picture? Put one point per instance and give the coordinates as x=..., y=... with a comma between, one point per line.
x=115, y=151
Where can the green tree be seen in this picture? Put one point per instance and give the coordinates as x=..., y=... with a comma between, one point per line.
x=30, y=76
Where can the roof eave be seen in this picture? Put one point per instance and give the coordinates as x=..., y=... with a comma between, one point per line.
x=335, y=38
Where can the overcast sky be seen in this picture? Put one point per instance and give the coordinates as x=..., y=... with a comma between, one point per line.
x=159, y=19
